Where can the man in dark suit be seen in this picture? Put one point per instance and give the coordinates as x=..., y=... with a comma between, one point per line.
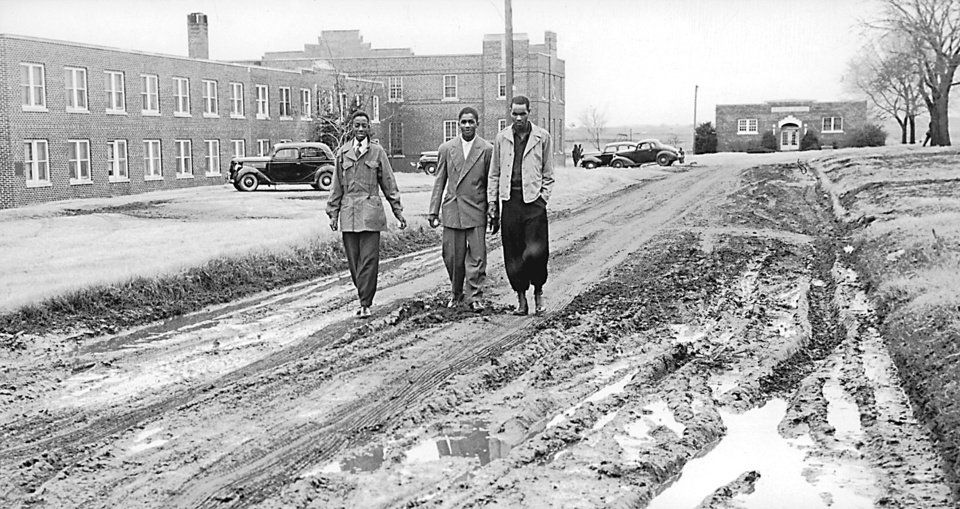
x=461, y=181
x=361, y=171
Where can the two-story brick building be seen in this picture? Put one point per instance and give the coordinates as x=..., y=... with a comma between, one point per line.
x=425, y=93
x=740, y=127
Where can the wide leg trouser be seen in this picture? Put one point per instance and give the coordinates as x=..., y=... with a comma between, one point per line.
x=526, y=246
x=363, y=258
x=465, y=255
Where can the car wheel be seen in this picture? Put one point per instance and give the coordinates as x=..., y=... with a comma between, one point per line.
x=590, y=165
x=664, y=160
x=617, y=164
x=324, y=181
x=248, y=182
x=430, y=169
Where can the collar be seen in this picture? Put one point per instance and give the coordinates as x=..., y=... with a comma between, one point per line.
x=524, y=131
x=362, y=145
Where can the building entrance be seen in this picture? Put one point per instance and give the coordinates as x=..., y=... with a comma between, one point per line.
x=789, y=137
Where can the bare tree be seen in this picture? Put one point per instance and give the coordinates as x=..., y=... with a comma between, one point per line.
x=594, y=120
x=933, y=28
x=890, y=78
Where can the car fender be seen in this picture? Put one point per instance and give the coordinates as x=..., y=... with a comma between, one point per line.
x=243, y=170
x=593, y=159
x=671, y=155
x=625, y=160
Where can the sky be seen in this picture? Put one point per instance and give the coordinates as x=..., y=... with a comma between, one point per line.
x=638, y=61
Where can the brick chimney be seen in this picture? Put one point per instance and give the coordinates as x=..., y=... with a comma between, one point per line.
x=197, y=39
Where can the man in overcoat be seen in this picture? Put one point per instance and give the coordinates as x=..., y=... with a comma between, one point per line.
x=459, y=202
x=361, y=171
x=520, y=181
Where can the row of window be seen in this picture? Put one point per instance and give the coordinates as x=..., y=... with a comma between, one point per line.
x=828, y=125
x=34, y=95
x=450, y=87
x=36, y=159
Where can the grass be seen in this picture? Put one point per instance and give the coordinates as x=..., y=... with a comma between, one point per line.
x=108, y=308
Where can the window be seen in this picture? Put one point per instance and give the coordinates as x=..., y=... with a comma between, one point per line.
x=184, y=159
x=211, y=158
x=117, y=169
x=747, y=126
x=152, y=168
x=832, y=125
x=449, y=130
x=36, y=162
x=306, y=105
x=396, y=89
x=116, y=101
x=33, y=87
x=150, y=94
x=263, y=106
x=396, y=138
x=211, y=108
x=78, y=161
x=263, y=147
x=285, y=109
x=560, y=89
x=450, y=87
x=75, y=79
x=544, y=79
x=502, y=85
x=236, y=100
x=239, y=148
x=376, y=110
x=181, y=94
x=501, y=124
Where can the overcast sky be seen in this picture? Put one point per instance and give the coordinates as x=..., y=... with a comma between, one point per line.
x=637, y=59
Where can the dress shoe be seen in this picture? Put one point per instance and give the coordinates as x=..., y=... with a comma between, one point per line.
x=538, y=303
x=364, y=312
x=455, y=301
x=522, y=307
x=477, y=306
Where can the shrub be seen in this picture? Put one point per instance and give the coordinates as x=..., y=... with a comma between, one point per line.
x=705, y=139
x=870, y=135
x=768, y=142
x=810, y=141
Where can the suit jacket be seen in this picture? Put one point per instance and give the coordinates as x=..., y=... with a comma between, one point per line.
x=464, y=204
x=536, y=166
x=354, y=196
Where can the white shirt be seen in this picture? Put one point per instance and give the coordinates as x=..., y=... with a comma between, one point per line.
x=467, y=145
x=364, y=145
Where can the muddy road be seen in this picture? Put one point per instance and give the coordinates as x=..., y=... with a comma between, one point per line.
x=705, y=345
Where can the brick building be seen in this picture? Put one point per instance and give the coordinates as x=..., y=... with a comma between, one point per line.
x=80, y=121
x=740, y=127
x=425, y=93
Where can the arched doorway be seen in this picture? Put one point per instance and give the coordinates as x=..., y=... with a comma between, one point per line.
x=790, y=137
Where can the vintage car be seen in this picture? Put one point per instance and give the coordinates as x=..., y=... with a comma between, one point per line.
x=288, y=163
x=591, y=160
x=623, y=154
x=427, y=162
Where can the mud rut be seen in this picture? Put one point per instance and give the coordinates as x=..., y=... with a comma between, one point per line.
x=704, y=345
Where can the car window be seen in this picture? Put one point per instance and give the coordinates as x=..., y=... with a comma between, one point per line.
x=311, y=152
x=645, y=146
x=286, y=153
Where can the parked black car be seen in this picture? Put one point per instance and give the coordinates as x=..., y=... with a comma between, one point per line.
x=622, y=154
x=427, y=162
x=288, y=163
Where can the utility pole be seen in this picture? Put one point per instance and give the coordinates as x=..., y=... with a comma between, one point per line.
x=696, y=88
x=508, y=48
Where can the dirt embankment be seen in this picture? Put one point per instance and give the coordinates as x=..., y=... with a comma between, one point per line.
x=707, y=343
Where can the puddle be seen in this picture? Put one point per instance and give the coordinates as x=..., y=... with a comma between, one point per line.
x=655, y=415
x=686, y=333
x=842, y=411
x=475, y=444
x=609, y=390
x=753, y=443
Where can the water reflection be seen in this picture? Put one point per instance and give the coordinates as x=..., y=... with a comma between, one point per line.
x=476, y=443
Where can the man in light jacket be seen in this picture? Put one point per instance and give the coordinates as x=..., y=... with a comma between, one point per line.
x=520, y=180
x=361, y=171
x=462, y=167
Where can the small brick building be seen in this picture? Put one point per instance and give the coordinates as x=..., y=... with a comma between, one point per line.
x=425, y=93
x=740, y=127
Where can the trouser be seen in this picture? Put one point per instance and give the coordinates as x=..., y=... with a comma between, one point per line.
x=525, y=241
x=465, y=255
x=363, y=258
